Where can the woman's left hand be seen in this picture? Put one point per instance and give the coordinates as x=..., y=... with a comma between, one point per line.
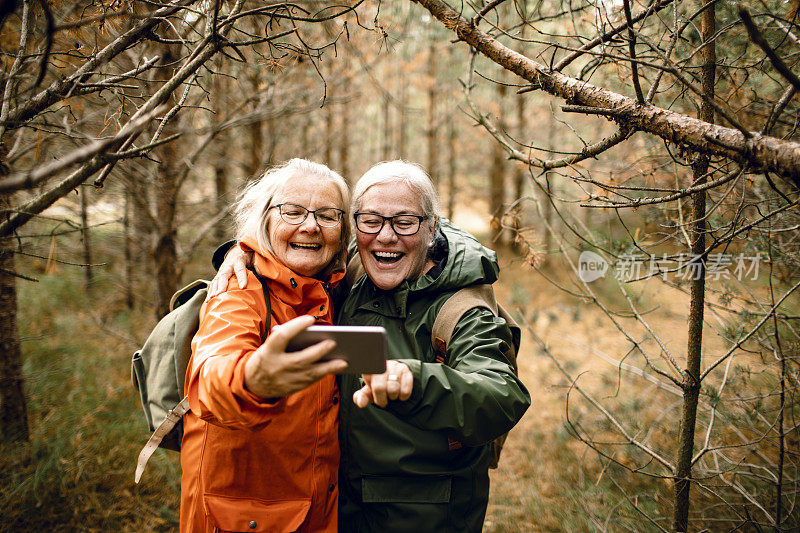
x=394, y=384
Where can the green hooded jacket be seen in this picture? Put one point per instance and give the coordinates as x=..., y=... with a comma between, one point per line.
x=422, y=464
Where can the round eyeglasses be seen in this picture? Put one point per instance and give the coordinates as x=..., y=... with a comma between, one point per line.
x=373, y=223
x=326, y=217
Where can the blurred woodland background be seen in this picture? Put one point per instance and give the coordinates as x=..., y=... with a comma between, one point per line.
x=635, y=163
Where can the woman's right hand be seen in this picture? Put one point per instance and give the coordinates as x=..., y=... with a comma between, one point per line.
x=236, y=262
x=271, y=372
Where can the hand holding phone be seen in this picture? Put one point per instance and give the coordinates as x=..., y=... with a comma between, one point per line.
x=270, y=372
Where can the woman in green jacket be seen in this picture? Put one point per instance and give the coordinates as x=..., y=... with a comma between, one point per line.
x=416, y=440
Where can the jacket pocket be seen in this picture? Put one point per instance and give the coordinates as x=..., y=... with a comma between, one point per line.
x=406, y=489
x=247, y=514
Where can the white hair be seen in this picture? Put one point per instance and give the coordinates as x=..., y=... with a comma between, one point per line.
x=399, y=171
x=251, y=209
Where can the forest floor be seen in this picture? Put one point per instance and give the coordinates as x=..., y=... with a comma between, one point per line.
x=87, y=427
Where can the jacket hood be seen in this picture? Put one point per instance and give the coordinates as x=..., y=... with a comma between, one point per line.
x=468, y=262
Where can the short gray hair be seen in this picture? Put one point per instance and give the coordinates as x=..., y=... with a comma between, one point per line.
x=251, y=209
x=403, y=172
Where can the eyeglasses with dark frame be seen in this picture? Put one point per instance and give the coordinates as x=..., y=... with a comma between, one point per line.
x=404, y=225
x=326, y=217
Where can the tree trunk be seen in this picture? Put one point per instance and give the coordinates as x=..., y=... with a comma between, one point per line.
x=305, y=127
x=165, y=248
x=344, y=129
x=781, y=414
x=256, y=135
x=221, y=200
x=166, y=189
x=85, y=237
x=403, y=116
x=430, y=131
x=549, y=214
x=220, y=164
x=329, y=134
x=386, y=148
x=519, y=174
x=497, y=174
x=452, y=162
x=126, y=236
x=13, y=408
x=141, y=227
x=691, y=380
x=272, y=140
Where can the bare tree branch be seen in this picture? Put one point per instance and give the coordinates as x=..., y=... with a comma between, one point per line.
x=33, y=177
x=757, y=37
x=760, y=152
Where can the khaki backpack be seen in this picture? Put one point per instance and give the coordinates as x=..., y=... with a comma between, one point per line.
x=158, y=370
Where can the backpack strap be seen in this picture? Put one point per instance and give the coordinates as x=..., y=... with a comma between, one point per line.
x=516, y=336
x=445, y=323
x=481, y=295
x=267, y=303
x=170, y=421
x=454, y=308
x=185, y=294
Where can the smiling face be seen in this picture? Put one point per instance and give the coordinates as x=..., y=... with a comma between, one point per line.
x=306, y=248
x=389, y=258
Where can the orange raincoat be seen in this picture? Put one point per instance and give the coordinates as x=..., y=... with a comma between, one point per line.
x=251, y=464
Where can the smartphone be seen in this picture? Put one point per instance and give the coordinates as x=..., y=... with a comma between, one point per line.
x=363, y=347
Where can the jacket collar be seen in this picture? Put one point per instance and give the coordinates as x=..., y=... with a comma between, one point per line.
x=393, y=303
x=303, y=294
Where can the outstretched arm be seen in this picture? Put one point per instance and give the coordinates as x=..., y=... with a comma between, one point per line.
x=237, y=381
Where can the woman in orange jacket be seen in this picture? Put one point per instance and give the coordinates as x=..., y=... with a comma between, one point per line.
x=260, y=449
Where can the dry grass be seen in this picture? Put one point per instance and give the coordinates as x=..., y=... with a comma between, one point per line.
x=76, y=474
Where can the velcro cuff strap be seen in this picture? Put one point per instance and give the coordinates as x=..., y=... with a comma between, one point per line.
x=163, y=429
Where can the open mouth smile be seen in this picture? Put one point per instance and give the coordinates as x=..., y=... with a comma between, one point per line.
x=305, y=246
x=387, y=257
